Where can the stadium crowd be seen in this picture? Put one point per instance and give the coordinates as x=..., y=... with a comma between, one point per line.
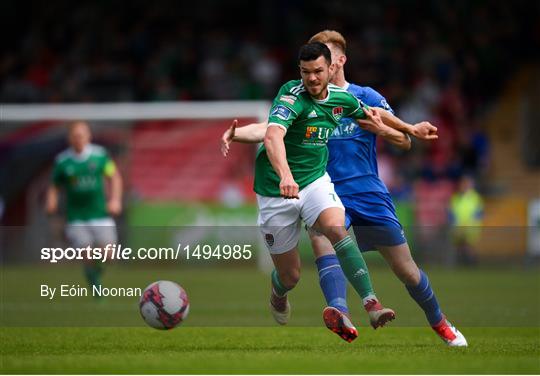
x=437, y=60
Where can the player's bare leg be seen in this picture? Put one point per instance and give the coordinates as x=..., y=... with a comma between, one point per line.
x=402, y=264
x=284, y=278
x=331, y=222
x=400, y=260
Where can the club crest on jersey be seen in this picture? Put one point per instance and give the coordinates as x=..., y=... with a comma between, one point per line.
x=281, y=112
x=269, y=239
x=337, y=112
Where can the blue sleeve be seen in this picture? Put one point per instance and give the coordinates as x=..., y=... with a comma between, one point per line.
x=373, y=98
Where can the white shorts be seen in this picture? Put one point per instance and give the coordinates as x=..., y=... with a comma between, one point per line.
x=280, y=219
x=94, y=233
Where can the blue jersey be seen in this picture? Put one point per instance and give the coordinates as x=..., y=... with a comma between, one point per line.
x=352, y=165
x=352, y=162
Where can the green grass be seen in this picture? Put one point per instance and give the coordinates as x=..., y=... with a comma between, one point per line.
x=254, y=350
x=230, y=330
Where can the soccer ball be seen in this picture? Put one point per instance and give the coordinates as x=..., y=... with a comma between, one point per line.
x=164, y=305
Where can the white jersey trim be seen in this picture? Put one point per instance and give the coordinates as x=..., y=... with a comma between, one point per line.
x=278, y=125
x=297, y=89
x=90, y=149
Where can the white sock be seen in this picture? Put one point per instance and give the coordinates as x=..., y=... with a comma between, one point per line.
x=368, y=298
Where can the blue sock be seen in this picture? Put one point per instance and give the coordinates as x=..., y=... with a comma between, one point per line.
x=333, y=282
x=424, y=296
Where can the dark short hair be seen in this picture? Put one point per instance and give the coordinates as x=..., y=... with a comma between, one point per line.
x=312, y=51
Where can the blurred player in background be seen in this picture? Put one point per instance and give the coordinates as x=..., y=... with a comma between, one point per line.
x=81, y=172
x=352, y=165
x=466, y=214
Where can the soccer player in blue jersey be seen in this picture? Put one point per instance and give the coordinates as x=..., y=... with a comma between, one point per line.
x=352, y=165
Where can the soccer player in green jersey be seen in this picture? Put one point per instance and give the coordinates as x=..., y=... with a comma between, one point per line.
x=81, y=172
x=291, y=180
x=366, y=200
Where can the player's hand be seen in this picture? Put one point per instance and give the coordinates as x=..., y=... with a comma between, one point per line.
x=370, y=126
x=374, y=120
x=288, y=188
x=227, y=138
x=114, y=207
x=425, y=131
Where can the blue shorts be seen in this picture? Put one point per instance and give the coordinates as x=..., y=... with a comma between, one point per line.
x=373, y=218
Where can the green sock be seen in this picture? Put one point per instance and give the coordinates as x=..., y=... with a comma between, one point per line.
x=93, y=274
x=277, y=285
x=354, y=267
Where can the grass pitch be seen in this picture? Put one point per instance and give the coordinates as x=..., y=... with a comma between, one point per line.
x=230, y=329
x=257, y=350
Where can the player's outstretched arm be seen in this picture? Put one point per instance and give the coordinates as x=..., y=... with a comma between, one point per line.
x=275, y=149
x=390, y=135
x=423, y=130
x=114, y=205
x=397, y=138
x=51, y=201
x=250, y=134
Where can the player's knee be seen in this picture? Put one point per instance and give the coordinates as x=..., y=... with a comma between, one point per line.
x=335, y=224
x=335, y=233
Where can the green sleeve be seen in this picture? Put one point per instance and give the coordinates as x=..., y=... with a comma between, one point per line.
x=285, y=108
x=355, y=108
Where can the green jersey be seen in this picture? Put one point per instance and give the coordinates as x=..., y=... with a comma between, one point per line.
x=82, y=178
x=308, y=123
